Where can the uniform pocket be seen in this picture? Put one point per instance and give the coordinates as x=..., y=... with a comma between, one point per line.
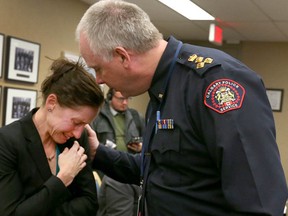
x=166, y=140
x=167, y=157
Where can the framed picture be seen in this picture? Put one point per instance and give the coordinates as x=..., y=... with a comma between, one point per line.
x=275, y=97
x=22, y=60
x=1, y=52
x=17, y=103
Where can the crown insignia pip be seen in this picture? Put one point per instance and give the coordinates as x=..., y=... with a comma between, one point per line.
x=199, y=61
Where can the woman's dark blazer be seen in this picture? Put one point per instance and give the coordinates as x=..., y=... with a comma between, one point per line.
x=27, y=186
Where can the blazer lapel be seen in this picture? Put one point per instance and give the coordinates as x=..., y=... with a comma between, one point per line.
x=34, y=145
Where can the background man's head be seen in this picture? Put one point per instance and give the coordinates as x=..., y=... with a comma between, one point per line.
x=117, y=100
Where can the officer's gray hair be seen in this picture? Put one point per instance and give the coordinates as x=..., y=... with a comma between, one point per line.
x=111, y=23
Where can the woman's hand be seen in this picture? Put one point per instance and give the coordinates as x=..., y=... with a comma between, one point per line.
x=71, y=162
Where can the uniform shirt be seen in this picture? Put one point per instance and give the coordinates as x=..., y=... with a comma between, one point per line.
x=221, y=157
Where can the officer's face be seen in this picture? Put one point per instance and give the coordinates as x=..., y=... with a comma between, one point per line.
x=119, y=73
x=110, y=73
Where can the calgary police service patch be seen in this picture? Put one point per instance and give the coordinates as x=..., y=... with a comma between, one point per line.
x=224, y=95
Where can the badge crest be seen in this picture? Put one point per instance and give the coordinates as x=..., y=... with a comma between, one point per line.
x=224, y=95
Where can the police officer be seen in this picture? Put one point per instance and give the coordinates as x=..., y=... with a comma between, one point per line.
x=209, y=146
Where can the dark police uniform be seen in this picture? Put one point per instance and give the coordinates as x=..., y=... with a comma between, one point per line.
x=213, y=149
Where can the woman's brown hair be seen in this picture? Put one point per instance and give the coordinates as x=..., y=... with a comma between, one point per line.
x=72, y=85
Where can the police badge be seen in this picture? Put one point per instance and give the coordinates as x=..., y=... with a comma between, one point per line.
x=224, y=95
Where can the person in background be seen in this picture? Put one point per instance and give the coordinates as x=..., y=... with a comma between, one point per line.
x=210, y=142
x=43, y=156
x=118, y=127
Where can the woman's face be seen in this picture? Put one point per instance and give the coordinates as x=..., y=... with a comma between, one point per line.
x=64, y=123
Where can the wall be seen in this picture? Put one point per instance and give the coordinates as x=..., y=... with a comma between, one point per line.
x=52, y=24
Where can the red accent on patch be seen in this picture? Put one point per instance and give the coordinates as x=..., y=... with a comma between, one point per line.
x=224, y=95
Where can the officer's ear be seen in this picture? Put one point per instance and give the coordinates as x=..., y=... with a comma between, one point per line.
x=123, y=55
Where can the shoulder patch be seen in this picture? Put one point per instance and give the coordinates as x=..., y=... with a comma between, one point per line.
x=224, y=95
x=197, y=62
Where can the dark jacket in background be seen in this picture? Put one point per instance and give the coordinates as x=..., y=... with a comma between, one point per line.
x=104, y=124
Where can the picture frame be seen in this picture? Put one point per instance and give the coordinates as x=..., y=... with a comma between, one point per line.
x=22, y=60
x=17, y=103
x=275, y=97
x=1, y=53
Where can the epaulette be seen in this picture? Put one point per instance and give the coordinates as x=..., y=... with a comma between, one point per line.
x=199, y=63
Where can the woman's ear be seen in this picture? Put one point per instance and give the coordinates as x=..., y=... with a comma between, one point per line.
x=51, y=102
x=123, y=55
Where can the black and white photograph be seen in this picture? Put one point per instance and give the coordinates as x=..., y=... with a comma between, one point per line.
x=1, y=53
x=17, y=103
x=22, y=60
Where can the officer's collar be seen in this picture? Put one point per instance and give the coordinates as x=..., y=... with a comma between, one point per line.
x=161, y=73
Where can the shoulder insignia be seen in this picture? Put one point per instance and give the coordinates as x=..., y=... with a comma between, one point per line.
x=197, y=62
x=224, y=95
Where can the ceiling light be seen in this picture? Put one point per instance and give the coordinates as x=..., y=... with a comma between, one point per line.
x=188, y=9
